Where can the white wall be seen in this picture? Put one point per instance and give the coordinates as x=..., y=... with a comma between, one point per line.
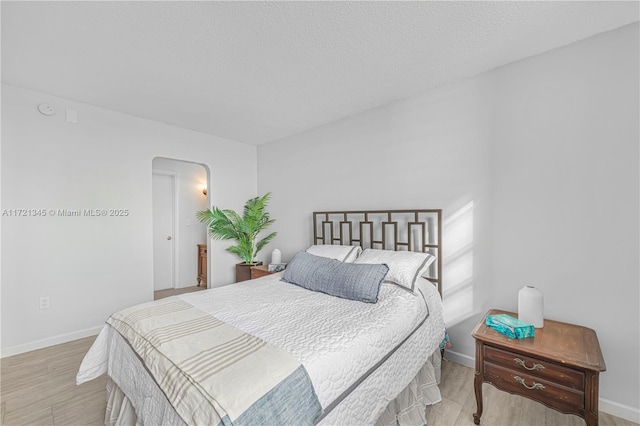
x=566, y=194
x=545, y=149
x=430, y=151
x=191, y=178
x=92, y=266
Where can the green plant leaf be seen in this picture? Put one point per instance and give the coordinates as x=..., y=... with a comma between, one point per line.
x=228, y=225
x=263, y=242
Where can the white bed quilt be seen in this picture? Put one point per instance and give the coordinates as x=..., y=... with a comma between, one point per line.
x=337, y=340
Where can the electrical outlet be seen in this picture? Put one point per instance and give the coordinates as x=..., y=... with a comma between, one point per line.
x=189, y=222
x=44, y=302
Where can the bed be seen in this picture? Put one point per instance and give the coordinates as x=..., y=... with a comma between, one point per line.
x=292, y=353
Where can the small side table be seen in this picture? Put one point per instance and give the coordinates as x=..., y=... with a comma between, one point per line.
x=558, y=367
x=202, y=265
x=260, y=271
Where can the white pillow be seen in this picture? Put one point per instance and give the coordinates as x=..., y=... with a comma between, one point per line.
x=405, y=267
x=341, y=253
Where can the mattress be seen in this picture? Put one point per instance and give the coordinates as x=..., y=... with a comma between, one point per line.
x=359, y=356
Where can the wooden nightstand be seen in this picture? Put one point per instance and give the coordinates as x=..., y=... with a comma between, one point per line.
x=202, y=265
x=260, y=271
x=559, y=367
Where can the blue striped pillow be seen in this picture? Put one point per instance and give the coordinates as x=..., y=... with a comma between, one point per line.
x=352, y=281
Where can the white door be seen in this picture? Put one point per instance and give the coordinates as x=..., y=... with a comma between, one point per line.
x=163, y=236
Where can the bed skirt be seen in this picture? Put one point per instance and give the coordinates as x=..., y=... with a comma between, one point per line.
x=119, y=408
x=407, y=409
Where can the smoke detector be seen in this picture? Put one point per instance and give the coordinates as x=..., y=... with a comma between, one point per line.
x=46, y=109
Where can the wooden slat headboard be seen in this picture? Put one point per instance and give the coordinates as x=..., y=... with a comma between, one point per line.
x=412, y=230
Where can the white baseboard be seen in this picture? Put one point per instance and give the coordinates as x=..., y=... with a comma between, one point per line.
x=463, y=359
x=606, y=406
x=49, y=341
x=619, y=410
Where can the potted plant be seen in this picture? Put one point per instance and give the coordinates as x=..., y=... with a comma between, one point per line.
x=229, y=225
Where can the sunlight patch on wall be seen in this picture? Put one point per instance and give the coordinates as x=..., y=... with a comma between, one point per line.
x=459, y=306
x=459, y=272
x=458, y=231
x=458, y=292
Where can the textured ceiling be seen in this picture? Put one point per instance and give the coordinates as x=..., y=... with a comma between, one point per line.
x=259, y=71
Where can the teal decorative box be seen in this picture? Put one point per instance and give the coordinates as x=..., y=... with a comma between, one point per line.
x=510, y=326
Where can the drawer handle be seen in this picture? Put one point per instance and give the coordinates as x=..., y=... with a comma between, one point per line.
x=536, y=386
x=535, y=366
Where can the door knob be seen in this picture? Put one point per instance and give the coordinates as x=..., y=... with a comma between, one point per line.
x=169, y=237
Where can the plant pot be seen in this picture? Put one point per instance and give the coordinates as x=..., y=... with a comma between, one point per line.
x=243, y=270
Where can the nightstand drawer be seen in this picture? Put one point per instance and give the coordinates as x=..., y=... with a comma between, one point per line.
x=260, y=271
x=559, y=366
x=548, y=393
x=534, y=367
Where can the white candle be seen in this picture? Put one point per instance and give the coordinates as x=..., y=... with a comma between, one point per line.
x=276, y=256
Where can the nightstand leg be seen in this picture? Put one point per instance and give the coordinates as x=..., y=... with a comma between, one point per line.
x=477, y=382
x=591, y=395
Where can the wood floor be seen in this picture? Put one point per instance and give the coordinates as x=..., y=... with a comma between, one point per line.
x=38, y=388
x=160, y=294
